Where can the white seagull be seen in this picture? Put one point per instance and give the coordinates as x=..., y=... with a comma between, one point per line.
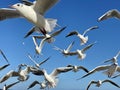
x=109, y=70
x=21, y=74
x=47, y=37
x=80, y=52
x=100, y=82
x=6, y=87
x=82, y=37
x=37, y=64
x=52, y=77
x=43, y=84
x=64, y=51
x=33, y=13
x=114, y=59
x=77, y=68
x=110, y=14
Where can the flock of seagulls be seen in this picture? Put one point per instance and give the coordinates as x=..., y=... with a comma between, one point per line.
x=34, y=12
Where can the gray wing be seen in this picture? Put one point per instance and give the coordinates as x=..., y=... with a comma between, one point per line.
x=26, y=2
x=83, y=68
x=6, y=13
x=4, y=56
x=10, y=85
x=92, y=82
x=32, y=30
x=42, y=6
x=99, y=68
x=44, y=61
x=3, y=67
x=87, y=47
x=89, y=29
x=61, y=70
x=33, y=84
x=72, y=33
x=110, y=14
x=72, y=53
x=57, y=32
x=37, y=72
x=70, y=46
x=111, y=83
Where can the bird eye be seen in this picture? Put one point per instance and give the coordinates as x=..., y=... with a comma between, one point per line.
x=18, y=4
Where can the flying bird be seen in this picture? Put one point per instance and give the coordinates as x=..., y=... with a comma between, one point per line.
x=80, y=52
x=114, y=13
x=33, y=13
x=46, y=38
x=100, y=82
x=114, y=59
x=65, y=51
x=52, y=77
x=77, y=68
x=83, y=38
x=37, y=64
x=109, y=70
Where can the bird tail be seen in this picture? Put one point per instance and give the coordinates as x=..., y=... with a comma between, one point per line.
x=52, y=23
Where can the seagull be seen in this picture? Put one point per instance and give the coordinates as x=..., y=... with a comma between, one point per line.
x=114, y=59
x=1, y=52
x=100, y=82
x=110, y=70
x=52, y=77
x=110, y=14
x=65, y=51
x=37, y=64
x=21, y=74
x=6, y=87
x=33, y=13
x=81, y=53
x=43, y=84
x=48, y=37
x=3, y=67
x=83, y=38
x=76, y=68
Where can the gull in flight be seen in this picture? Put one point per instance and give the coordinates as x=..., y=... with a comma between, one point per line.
x=33, y=13
x=21, y=74
x=65, y=51
x=110, y=14
x=52, y=78
x=108, y=70
x=43, y=84
x=37, y=64
x=77, y=68
x=114, y=59
x=81, y=53
x=1, y=52
x=100, y=82
x=82, y=37
x=6, y=87
x=48, y=37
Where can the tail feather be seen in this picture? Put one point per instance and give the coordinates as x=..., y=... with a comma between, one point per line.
x=52, y=23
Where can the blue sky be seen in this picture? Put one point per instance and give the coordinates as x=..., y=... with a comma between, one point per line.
x=76, y=15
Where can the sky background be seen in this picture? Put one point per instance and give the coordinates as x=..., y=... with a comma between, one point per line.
x=76, y=15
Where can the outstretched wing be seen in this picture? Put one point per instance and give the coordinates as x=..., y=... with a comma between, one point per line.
x=4, y=56
x=6, y=13
x=33, y=84
x=42, y=6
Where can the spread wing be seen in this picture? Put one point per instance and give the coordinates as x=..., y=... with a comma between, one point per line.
x=6, y=13
x=42, y=6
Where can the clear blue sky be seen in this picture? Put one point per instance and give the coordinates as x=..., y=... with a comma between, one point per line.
x=76, y=15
